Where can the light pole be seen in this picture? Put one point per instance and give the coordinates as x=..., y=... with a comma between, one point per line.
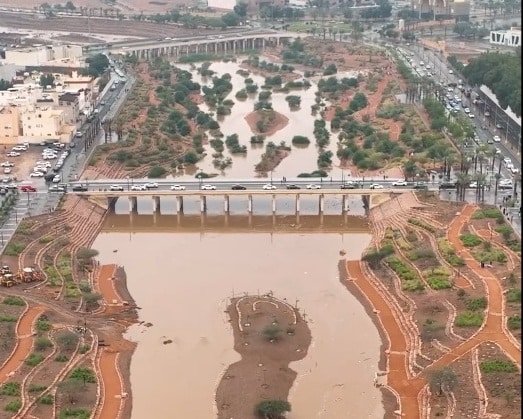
x=271, y=177
x=127, y=183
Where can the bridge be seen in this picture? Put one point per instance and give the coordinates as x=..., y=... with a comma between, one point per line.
x=216, y=44
x=111, y=197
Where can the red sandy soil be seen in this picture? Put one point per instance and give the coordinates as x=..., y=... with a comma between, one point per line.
x=398, y=378
x=280, y=121
x=24, y=345
x=112, y=385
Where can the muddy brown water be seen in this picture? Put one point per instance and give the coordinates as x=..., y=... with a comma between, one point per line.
x=182, y=281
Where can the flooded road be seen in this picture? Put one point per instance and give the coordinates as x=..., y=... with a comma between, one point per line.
x=182, y=281
x=301, y=122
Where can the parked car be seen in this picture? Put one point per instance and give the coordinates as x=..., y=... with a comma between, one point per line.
x=12, y=185
x=57, y=188
x=28, y=188
x=293, y=187
x=208, y=188
x=177, y=188
x=13, y=154
x=312, y=186
x=238, y=188
x=497, y=139
x=7, y=170
x=269, y=187
x=7, y=164
x=36, y=174
x=447, y=185
x=57, y=179
x=80, y=188
x=399, y=183
x=118, y=188
x=375, y=186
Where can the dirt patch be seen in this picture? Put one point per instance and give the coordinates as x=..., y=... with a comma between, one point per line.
x=268, y=334
x=273, y=122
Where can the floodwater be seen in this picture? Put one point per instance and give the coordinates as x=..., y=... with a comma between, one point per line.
x=182, y=281
x=301, y=122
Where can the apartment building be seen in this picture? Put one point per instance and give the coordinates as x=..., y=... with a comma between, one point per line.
x=40, y=55
x=40, y=123
x=9, y=124
x=69, y=103
x=21, y=95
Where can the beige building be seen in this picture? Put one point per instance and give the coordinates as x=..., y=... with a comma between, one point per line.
x=21, y=95
x=70, y=104
x=9, y=124
x=42, y=123
x=39, y=55
x=76, y=82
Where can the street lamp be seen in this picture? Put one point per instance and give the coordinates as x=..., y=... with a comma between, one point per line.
x=271, y=177
x=127, y=183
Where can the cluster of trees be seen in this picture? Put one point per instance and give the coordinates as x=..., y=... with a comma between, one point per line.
x=5, y=84
x=190, y=20
x=279, y=12
x=469, y=30
x=332, y=84
x=295, y=53
x=501, y=73
x=96, y=65
x=359, y=101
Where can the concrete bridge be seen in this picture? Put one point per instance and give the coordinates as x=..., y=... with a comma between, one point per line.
x=219, y=44
x=111, y=197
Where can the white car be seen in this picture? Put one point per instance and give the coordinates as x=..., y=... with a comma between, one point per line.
x=208, y=188
x=42, y=169
x=20, y=148
x=7, y=170
x=375, y=186
x=138, y=188
x=497, y=139
x=473, y=184
x=57, y=179
x=399, y=183
x=471, y=115
x=177, y=188
x=451, y=72
x=514, y=170
x=36, y=174
x=49, y=156
x=313, y=186
x=43, y=163
x=116, y=188
x=269, y=187
x=7, y=164
x=466, y=110
x=151, y=185
x=13, y=154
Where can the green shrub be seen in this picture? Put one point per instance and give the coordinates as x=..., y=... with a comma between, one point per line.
x=84, y=348
x=417, y=222
x=35, y=388
x=401, y=269
x=505, y=230
x=34, y=359
x=470, y=240
x=14, y=249
x=514, y=322
x=83, y=374
x=494, y=255
x=43, y=343
x=43, y=326
x=487, y=213
x=8, y=319
x=497, y=365
x=74, y=413
x=13, y=406
x=514, y=295
x=475, y=304
x=13, y=301
x=10, y=389
x=449, y=254
x=47, y=399
x=45, y=239
x=417, y=254
x=156, y=172
x=469, y=319
x=61, y=358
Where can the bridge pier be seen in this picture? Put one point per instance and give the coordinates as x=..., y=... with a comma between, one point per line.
x=321, y=204
x=226, y=204
x=274, y=204
x=203, y=204
x=249, y=204
x=297, y=206
x=111, y=204
x=179, y=204
x=156, y=205
x=133, y=204
x=366, y=201
x=345, y=204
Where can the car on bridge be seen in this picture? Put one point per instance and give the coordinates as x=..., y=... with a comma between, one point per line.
x=447, y=185
x=349, y=186
x=375, y=186
x=28, y=188
x=208, y=188
x=177, y=188
x=138, y=188
x=421, y=186
x=293, y=187
x=269, y=187
x=151, y=185
x=116, y=188
x=57, y=188
x=80, y=188
x=238, y=188
x=399, y=183
x=312, y=186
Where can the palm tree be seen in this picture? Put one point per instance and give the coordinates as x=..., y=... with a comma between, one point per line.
x=463, y=180
x=492, y=154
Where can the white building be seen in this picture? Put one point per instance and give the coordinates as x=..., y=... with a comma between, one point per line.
x=7, y=71
x=40, y=55
x=21, y=95
x=509, y=38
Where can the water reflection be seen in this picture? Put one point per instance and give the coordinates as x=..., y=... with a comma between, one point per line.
x=182, y=282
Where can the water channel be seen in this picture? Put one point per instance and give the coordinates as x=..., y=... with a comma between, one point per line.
x=182, y=280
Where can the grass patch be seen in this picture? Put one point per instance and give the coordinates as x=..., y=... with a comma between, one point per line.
x=43, y=326
x=514, y=322
x=409, y=278
x=497, y=365
x=438, y=278
x=492, y=255
x=13, y=406
x=486, y=213
x=475, y=304
x=34, y=359
x=417, y=222
x=470, y=240
x=14, y=249
x=45, y=239
x=74, y=413
x=469, y=319
x=513, y=295
x=35, y=388
x=10, y=389
x=449, y=254
x=8, y=319
x=84, y=348
x=86, y=375
x=61, y=358
x=418, y=254
x=47, y=399
x=13, y=301
x=42, y=343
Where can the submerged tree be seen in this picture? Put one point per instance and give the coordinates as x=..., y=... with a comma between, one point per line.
x=272, y=409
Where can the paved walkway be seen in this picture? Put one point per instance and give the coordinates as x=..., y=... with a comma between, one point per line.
x=112, y=385
x=24, y=343
x=106, y=284
x=491, y=331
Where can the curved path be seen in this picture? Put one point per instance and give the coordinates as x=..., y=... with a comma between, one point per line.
x=112, y=402
x=106, y=285
x=492, y=330
x=24, y=344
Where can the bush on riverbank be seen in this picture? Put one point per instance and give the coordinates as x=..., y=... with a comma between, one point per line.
x=469, y=319
x=449, y=254
x=470, y=240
